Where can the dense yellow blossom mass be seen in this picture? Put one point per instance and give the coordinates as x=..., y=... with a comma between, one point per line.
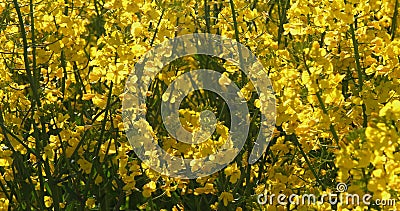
x=334, y=66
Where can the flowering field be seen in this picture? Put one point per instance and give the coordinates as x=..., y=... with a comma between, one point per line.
x=333, y=64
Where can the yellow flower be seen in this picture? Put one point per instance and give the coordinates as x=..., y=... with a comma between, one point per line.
x=129, y=183
x=391, y=110
x=214, y=206
x=136, y=29
x=226, y=197
x=4, y=204
x=5, y=162
x=90, y=203
x=100, y=101
x=246, y=91
x=49, y=152
x=148, y=189
x=233, y=172
x=257, y=103
x=98, y=180
x=48, y=201
x=207, y=189
x=88, y=96
x=85, y=165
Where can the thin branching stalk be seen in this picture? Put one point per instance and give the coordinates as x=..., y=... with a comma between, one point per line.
x=359, y=72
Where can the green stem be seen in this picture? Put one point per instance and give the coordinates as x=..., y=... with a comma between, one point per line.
x=359, y=72
x=207, y=15
x=235, y=25
x=156, y=31
x=36, y=74
x=103, y=127
x=293, y=138
x=394, y=19
x=25, y=54
x=322, y=104
x=357, y=58
x=282, y=10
